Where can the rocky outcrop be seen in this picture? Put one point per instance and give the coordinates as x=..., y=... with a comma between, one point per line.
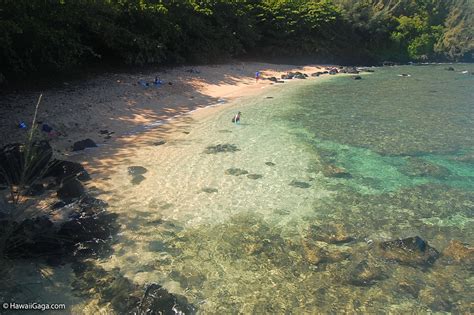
x=86, y=228
x=70, y=189
x=413, y=251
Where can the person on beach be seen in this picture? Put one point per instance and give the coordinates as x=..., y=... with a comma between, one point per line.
x=236, y=118
x=257, y=76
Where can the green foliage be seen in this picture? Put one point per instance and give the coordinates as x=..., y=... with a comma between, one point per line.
x=57, y=35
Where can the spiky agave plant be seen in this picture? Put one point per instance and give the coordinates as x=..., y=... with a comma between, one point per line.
x=21, y=167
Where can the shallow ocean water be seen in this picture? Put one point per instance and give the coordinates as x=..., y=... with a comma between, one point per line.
x=283, y=213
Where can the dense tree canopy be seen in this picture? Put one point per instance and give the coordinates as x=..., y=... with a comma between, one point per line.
x=55, y=35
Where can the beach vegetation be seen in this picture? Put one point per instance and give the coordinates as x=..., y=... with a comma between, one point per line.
x=63, y=35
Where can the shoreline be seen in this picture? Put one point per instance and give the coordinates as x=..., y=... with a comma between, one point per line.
x=116, y=102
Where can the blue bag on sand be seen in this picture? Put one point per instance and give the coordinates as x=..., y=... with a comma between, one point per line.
x=22, y=125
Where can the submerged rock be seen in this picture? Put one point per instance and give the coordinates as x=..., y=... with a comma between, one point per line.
x=137, y=174
x=299, y=184
x=357, y=77
x=236, y=171
x=137, y=179
x=83, y=144
x=459, y=252
x=270, y=163
x=421, y=167
x=159, y=142
x=136, y=170
x=412, y=251
x=209, y=190
x=465, y=158
x=254, y=176
x=365, y=272
x=157, y=300
x=331, y=170
x=221, y=148
x=332, y=233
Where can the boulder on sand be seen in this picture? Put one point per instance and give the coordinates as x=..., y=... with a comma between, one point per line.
x=83, y=144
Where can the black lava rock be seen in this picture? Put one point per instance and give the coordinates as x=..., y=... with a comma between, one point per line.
x=83, y=144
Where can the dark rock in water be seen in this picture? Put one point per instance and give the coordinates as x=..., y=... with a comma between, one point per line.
x=412, y=251
x=254, y=176
x=89, y=227
x=421, y=167
x=87, y=230
x=459, y=253
x=449, y=69
x=286, y=77
x=221, y=148
x=331, y=170
x=157, y=246
x=299, y=184
x=236, y=171
x=157, y=300
x=280, y=81
x=12, y=162
x=273, y=79
x=316, y=74
x=357, y=77
x=210, y=190
x=299, y=76
x=159, y=142
x=137, y=179
x=115, y=291
x=66, y=169
x=104, y=132
x=136, y=170
x=270, y=163
x=83, y=144
x=332, y=233
x=137, y=174
x=388, y=63
x=365, y=272
x=315, y=254
x=36, y=190
x=69, y=189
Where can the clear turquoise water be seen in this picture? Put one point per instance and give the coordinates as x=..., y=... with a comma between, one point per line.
x=404, y=150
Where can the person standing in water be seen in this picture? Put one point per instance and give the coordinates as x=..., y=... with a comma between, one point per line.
x=236, y=118
x=257, y=76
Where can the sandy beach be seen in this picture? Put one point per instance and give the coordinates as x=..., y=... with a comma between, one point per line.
x=120, y=103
